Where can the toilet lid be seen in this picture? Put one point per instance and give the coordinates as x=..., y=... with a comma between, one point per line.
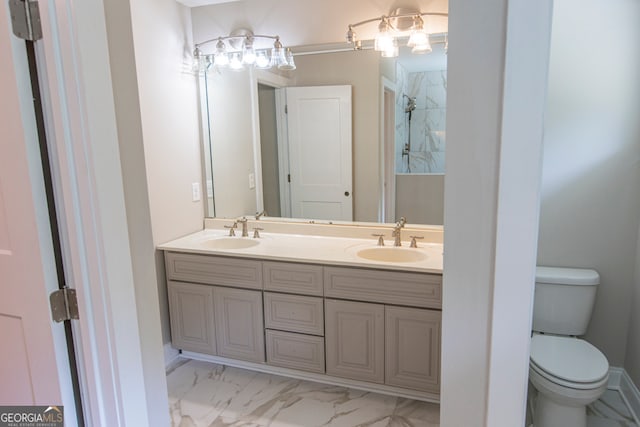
x=570, y=359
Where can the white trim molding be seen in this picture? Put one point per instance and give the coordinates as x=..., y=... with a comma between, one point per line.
x=170, y=355
x=620, y=380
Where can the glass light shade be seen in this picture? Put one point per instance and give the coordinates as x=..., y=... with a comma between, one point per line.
x=384, y=39
x=418, y=38
x=391, y=51
x=235, y=63
x=277, y=57
x=424, y=47
x=221, y=59
x=262, y=59
x=248, y=52
x=289, y=64
x=249, y=56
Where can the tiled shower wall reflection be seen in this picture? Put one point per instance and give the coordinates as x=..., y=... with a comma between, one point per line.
x=427, y=125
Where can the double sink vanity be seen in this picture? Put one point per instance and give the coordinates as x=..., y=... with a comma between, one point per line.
x=322, y=302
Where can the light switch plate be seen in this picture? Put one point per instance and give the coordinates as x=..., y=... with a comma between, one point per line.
x=195, y=191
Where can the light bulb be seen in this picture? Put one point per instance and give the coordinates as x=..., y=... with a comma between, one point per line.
x=391, y=51
x=220, y=58
x=384, y=39
x=248, y=53
x=262, y=59
x=235, y=63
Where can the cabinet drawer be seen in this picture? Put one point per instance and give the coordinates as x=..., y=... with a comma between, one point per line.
x=390, y=287
x=214, y=270
x=296, y=351
x=294, y=313
x=294, y=278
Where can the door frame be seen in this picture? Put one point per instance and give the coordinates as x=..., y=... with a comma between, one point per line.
x=278, y=83
x=73, y=63
x=387, y=174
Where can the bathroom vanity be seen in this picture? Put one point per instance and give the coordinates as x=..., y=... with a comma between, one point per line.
x=309, y=306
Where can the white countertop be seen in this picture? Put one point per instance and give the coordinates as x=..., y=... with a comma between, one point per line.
x=309, y=249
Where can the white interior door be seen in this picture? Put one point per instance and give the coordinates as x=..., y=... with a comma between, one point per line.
x=319, y=131
x=31, y=369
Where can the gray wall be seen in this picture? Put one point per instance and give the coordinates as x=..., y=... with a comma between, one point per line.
x=169, y=124
x=419, y=198
x=590, y=207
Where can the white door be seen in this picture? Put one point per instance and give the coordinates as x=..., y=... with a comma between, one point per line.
x=319, y=131
x=31, y=370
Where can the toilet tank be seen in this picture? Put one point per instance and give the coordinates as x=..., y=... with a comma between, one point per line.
x=564, y=299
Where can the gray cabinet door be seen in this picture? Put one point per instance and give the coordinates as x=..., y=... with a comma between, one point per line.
x=191, y=308
x=354, y=340
x=239, y=324
x=412, y=347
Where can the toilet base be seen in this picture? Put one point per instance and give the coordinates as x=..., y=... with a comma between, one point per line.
x=549, y=413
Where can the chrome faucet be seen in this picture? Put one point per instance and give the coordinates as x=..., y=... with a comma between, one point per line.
x=243, y=221
x=397, y=234
x=397, y=231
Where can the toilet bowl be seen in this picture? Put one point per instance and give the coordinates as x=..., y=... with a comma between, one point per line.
x=568, y=373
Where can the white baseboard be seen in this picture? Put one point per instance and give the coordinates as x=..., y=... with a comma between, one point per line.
x=631, y=395
x=170, y=355
x=620, y=380
x=321, y=378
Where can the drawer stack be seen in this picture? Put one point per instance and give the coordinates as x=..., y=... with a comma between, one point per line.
x=294, y=320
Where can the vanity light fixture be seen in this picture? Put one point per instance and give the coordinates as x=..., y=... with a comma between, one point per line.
x=239, y=50
x=386, y=40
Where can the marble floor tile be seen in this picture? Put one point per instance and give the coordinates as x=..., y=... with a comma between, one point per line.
x=212, y=395
x=610, y=411
x=207, y=394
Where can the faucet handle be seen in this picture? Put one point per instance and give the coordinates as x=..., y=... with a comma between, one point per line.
x=232, y=228
x=414, y=244
x=380, y=239
x=256, y=232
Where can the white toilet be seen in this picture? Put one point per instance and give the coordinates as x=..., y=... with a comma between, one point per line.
x=568, y=373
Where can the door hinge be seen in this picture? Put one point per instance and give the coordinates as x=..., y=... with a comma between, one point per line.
x=25, y=19
x=288, y=177
x=286, y=109
x=64, y=305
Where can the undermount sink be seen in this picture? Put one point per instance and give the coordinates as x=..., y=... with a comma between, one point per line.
x=230, y=243
x=391, y=254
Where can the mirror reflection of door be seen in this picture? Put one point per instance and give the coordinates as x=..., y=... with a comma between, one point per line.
x=313, y=159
